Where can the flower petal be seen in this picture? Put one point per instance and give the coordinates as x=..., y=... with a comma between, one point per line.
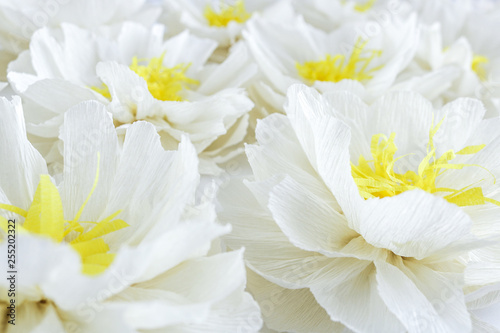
x=89, y=136
x=413, y=224
x=309, y=222
x=289, y=309
x=23, y=164
x=151, y=184
x=353, y=299
x=412, y=306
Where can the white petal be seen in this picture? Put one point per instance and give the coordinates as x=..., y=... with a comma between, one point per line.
x=407, y=114
x=268, y=62
x=101, y=318
x=47, y=54
x=484, y=269
x=88, y=134
x=21, y=81
x=303, y=106
x=23, y=164
x=461, y=118
x=331, y=147
x=186, y=241
x=444, y=288
x=207, y=279
x=230, y=102
x=232, y=73
x=399, y=40
x=431, y=85
x=484, y=170
x=255, y=230
x=223, y=148
x=151, y=184
x=325, y=140
x=353, y=299
x=351, y=109
x=413, y=224
x=483, y=297
x=478, y=325
x=237, y=312
x=128, y=91
x=353, y=86
x=279, y=153
x=413, y=308
x=48, y=130
x=146, y=308
x=135, y=40
x=289, y=309
x=207, y=119
x=309, y=222
x=58, y=95
x=188, y=49
x=80, y=55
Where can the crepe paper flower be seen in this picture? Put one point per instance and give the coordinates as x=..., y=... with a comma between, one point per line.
x=331, y=15
x=365, y=217
x=347, y=58
x=20, y=19
x=139, y=77
x=116, y=245
x=220, y=20
x=454, y=17
x=454, y=58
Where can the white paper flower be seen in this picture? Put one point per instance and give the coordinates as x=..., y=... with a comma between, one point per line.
x=20, y=19
x=139, y=77
x=365, y=216
x=452, y=15
x=110, y=247
x=351, y=57
x=221, y=21
x=329, y=15
x=456, y=58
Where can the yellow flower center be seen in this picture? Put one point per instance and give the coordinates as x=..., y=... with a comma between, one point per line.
x=226, y=14
x=337, y=68
x=45, y=217
x=478, y=62
x=164, y=83
x=377, y=178
x=363, y=7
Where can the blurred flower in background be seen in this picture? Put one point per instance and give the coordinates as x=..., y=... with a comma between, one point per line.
x=139, y=76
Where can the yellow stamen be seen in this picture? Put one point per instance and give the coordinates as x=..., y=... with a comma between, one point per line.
x=164, y=83
x=46, y=217
x=377, y=178
x=103, y=90
x=337, y=68
x=478, y=62
x=226, y=14
x=363, y=7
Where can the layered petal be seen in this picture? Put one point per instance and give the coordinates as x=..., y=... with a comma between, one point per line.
x=23, y=163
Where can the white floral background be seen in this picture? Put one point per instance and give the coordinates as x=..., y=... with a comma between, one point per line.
x=250, y=165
